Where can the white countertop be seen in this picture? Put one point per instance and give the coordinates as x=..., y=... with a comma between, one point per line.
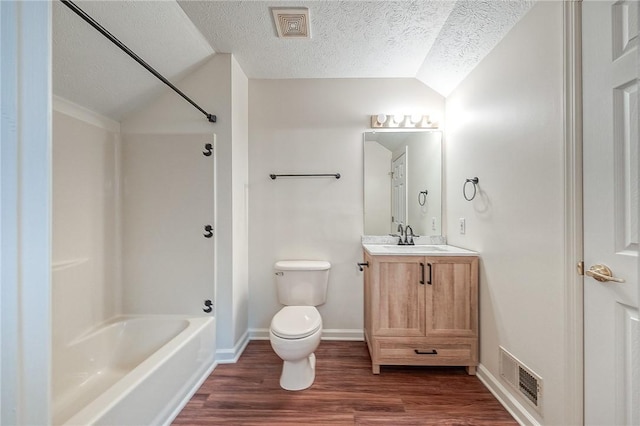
x=416, y=250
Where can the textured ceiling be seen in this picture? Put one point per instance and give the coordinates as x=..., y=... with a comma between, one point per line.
x=437, y=41
x=471, y=31
x=349, y=39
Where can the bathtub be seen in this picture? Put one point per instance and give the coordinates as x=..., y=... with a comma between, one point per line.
x=132, y=370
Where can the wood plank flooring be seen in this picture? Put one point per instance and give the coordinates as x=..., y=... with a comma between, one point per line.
x=345, y=392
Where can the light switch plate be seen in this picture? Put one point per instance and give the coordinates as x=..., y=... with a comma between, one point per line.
x=462, y=226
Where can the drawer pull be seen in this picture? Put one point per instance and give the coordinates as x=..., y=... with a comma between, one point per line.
x=421, y=273
x=431, y=352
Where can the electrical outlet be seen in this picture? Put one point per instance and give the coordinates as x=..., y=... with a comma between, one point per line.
x=433, y=223
x=462, y=226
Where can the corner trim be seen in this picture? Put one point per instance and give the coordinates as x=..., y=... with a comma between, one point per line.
x=573, y=361
x=81, y=113
x=231, y=356
x=517, y=410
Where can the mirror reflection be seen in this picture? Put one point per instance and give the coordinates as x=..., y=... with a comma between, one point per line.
x=403, y=181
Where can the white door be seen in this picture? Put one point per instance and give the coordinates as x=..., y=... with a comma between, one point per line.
x=398, y=192
x=611, y=332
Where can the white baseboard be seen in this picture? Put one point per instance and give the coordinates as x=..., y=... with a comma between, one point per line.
x=230, y=356
x=506, y=398
x=355, y=334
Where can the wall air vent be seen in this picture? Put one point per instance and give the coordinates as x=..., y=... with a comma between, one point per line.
x=521, y=378
x=292, y=22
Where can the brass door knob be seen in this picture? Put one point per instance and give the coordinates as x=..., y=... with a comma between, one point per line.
x=603, y=274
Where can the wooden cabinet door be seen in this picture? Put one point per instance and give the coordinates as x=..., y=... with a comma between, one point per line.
x=451, y=299
x=397, y=296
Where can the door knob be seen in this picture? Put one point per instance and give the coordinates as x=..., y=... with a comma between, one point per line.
x=603, y=274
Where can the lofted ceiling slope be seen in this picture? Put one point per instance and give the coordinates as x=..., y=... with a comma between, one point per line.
x=437, y=41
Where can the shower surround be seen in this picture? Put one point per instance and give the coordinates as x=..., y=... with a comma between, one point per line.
x=128, y=240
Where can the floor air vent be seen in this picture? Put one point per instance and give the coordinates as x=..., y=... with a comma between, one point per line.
x=521, y=378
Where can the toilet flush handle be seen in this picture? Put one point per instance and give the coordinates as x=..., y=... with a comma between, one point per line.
x=279, y=273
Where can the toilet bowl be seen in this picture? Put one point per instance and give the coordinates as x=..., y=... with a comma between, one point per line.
x=295, y=334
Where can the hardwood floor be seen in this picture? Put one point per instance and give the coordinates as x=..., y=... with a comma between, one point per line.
x=345, y=392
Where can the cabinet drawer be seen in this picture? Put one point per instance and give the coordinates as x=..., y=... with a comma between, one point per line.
x=421, y=351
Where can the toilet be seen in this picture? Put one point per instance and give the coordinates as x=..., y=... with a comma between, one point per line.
x=296, y=329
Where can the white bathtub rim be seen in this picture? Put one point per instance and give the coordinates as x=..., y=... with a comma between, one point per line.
x=62, y=401
x=122, y=388
x=122, y=318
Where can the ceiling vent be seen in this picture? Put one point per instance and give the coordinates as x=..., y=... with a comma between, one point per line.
x=292, y=22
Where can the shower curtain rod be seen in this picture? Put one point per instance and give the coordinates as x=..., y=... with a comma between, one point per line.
x=212, y=118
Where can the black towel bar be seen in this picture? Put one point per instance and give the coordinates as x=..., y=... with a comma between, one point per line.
x=335, y=175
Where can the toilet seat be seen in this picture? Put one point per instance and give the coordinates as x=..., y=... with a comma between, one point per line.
x=296, y=322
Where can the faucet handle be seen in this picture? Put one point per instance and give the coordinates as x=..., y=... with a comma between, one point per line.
x=402, y=235
x=408, y=239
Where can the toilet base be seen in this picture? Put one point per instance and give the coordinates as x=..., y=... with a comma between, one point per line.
x=298, y=375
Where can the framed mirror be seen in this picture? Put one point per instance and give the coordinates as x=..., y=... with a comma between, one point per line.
x=403, y=181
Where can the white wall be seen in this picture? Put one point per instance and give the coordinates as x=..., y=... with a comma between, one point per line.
x=315, y=126
x=167, y=199
x=240, y=200
x=85, y=247
x=505, y=125
x=217, y=87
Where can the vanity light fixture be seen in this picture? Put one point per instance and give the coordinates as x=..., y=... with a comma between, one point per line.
x=403, y=121
x=416, y=118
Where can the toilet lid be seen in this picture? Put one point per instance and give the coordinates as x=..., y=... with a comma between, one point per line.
x=296, y=322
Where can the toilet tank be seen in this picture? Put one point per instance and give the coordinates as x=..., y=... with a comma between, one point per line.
x=302, y=282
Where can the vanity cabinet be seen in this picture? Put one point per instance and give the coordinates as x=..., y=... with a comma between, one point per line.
x=421, y=310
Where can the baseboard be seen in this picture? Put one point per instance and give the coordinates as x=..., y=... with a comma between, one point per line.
x=355, y=334
x=508, y=401
x=231, y=356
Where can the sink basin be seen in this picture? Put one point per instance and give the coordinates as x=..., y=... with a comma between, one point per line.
x=409, y=249
x=416, y=250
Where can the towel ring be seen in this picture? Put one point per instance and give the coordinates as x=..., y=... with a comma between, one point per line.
x=422, y=197
x=474, y=181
